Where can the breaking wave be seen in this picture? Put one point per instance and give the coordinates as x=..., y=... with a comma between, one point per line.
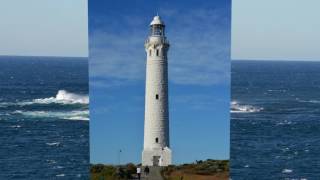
x=35, y=109
x=239, y=108
x=62, y=97
x=68, y=115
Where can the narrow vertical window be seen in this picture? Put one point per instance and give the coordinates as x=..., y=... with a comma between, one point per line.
x=157, y=52
x=150, y=52
x=157, y=140
x=157, y=96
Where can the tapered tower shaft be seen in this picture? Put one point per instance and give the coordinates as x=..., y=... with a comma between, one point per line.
x=156, y=125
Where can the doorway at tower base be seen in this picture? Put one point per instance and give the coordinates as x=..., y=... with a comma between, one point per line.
x=156, y=157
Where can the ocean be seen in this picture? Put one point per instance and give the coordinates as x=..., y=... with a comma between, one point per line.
x=44, y=127
x=275, y=120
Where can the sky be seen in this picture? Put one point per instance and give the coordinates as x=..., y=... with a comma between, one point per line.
x=199, y=78
x=44, y=28
x=275, y=30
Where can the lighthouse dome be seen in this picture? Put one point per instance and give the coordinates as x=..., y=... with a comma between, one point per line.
x=156, y=20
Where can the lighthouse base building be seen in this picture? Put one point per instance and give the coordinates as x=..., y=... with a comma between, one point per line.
x=156, y=149
x=156, y=157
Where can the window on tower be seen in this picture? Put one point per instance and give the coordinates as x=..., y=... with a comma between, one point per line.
x=157, y=30
x=157, y=96
x=157, y=140
x=150, y=52
x=157, y=52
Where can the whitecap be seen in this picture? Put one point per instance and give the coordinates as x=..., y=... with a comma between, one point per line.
x=78, y=118
x=6, y=104
x=58, y=167
x=287, y=171
x=285, y=149
x=50, y=161
x=68, y=115
x=67, y=97
x=277, y=90
x=62, y=97
x=16, y=126
x=239, y=108
x=285, y=122
x=60, y=175
x=53, y=144
x=310, y=101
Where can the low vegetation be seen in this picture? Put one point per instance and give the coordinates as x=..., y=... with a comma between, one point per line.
x=200, y=170
x=110, y=172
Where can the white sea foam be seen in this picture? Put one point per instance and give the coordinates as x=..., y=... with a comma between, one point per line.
x=62, y=97
x=287, y=171
x=84, y=118
x=69, y=115
x=240, y=108
x=58, y=167
x=16, y=126
x=310, y=101
x=277, y=90
x=50, y=161
x=285, y=122
x=53, y=144
x=6, y=104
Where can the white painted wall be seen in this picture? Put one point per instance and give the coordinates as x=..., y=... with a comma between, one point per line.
x=156, y=110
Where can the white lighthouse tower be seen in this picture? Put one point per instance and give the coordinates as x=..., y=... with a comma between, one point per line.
x=156, y=151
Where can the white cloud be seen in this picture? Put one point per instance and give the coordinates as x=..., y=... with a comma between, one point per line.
x=199, y=52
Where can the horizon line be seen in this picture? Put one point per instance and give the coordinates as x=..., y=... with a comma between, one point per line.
x=283, y=60
x=47, y=56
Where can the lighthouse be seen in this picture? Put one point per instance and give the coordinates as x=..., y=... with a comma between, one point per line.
x=156, y=148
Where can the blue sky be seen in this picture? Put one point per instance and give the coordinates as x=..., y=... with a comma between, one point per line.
x=44, y=28
x=276, y=30
x=199, y=77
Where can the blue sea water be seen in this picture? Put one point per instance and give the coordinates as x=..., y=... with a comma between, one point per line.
x=275, y=120
x=44, y=118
